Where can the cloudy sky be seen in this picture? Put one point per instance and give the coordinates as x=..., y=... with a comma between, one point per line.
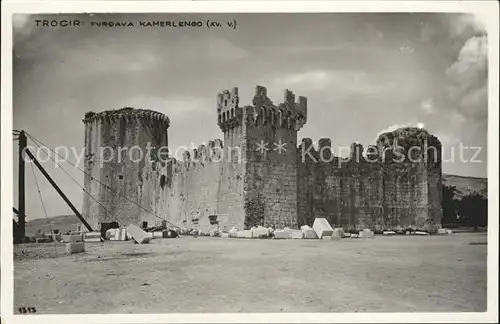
x=362, y=74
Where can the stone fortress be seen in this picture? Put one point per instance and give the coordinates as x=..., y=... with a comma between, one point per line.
x=259, y=173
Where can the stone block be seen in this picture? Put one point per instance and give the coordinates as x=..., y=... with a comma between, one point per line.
x=260, y=232
x=111, y=234
x=366, y=233
x=334, y=238
x=240, y=234
x=247, y=234
x=71, y=238
x=389, y=233
x=157, y=234
x=120, y=234
x=282, y=234
x=138, y=235
x=442, y=231
x=297, y=234
x=123, y=234
x=233, y=232
x=309, y=232
x=338, y=232
x=421, y=233
x=224, y=235
x=76, y=247
x=92, y=240
x=322, y=227
x=92, y=237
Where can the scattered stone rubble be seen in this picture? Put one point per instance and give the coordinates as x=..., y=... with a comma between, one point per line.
x=321, y=229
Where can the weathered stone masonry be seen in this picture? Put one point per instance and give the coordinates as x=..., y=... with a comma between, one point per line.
x=259, y=174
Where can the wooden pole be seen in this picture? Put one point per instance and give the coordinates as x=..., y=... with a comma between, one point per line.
x=21, y=228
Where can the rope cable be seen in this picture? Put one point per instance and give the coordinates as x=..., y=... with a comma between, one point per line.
x=43, y=206
x=84, y=190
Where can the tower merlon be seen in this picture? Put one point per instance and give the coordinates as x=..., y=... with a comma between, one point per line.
x=228, y=111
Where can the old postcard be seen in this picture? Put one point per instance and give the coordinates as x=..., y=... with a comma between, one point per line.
x=249, y=162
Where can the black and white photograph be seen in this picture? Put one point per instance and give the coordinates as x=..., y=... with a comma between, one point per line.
x=239, y=162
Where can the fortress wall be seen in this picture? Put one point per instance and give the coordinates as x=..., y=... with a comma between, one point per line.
x=346, y=193
x=405, y=204
x=364, y=194
x=230, y=198
x=185, y=193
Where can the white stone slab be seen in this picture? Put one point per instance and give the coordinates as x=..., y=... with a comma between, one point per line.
x=233, y=232
x=92, y=240
x=297, y=234
x=322, y=227
x=139, y=235
x=224, y=235
x=71, y=238
x=77, y=247
x=338, y=232
x=387, y=233
x=92, y=235
x=309, y=232
x=120, y=234
x=110, y=234
x=157, y=234
x=260, y=232
x=366, y=233
x=282, y=234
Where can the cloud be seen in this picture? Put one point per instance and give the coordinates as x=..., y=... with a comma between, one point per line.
x=468, y=77
x=174, y=107
x=427, y=105
x=317, y=80
x=467, y=22
x=21, y=27
x=91, y=59
x=352, y=82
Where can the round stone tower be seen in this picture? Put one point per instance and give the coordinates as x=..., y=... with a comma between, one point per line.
x=118, y=144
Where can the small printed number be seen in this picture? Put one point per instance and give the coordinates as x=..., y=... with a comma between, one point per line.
x=27, y=310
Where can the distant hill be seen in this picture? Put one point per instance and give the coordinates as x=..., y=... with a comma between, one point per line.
x=63, y=223
x=466, y=185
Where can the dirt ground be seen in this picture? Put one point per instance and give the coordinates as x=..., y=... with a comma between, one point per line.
x=386, y=274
